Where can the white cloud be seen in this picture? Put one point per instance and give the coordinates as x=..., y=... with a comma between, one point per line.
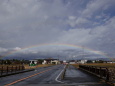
x=73, y=21
x=17, y=48
x=3, y=49
x=81, y=21
x=76, y=36
x=72, y=17
x=96, y=6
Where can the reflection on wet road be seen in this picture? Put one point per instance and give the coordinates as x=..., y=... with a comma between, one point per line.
x=77, y=77
x=46, y=76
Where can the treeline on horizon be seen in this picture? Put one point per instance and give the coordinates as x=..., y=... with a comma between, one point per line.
x=17, y=61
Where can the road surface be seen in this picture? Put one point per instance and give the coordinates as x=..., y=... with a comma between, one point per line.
x=49, y=76
x=75, y=77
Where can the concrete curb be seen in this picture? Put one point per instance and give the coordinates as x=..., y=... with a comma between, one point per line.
x=63, y=74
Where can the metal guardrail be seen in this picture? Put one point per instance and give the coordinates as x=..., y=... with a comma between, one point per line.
x=4, y=70
x=103, y=72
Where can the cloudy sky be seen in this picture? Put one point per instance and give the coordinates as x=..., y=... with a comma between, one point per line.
x=88, y=23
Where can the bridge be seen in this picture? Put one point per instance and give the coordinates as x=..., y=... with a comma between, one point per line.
x=58, y=75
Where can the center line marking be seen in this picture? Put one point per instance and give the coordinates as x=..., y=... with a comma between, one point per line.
x=26, y=78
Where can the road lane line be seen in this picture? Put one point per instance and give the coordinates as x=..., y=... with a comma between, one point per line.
x=26, y=77
x=59, y=76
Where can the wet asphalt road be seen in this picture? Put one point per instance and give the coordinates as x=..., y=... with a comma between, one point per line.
x=47, y=76
x=78, y=77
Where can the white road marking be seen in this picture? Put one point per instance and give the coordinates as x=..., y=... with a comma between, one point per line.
x=59, y=76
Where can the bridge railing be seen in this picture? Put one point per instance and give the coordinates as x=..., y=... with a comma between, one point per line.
x=4, y=70
x=103, y=72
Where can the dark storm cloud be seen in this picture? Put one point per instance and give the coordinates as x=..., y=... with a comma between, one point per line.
x=88, y=23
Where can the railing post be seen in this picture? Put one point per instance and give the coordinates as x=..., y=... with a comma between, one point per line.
x=95, y=70
x=23, y=67
x=11, y=69
x=107, y=75
x=19, y=67
x=15, y=68
x=100, y=72
x=1, y=70
x=7, y=70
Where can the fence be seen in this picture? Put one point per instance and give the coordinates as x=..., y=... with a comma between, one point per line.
x=5, y=70
x=103, y=72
